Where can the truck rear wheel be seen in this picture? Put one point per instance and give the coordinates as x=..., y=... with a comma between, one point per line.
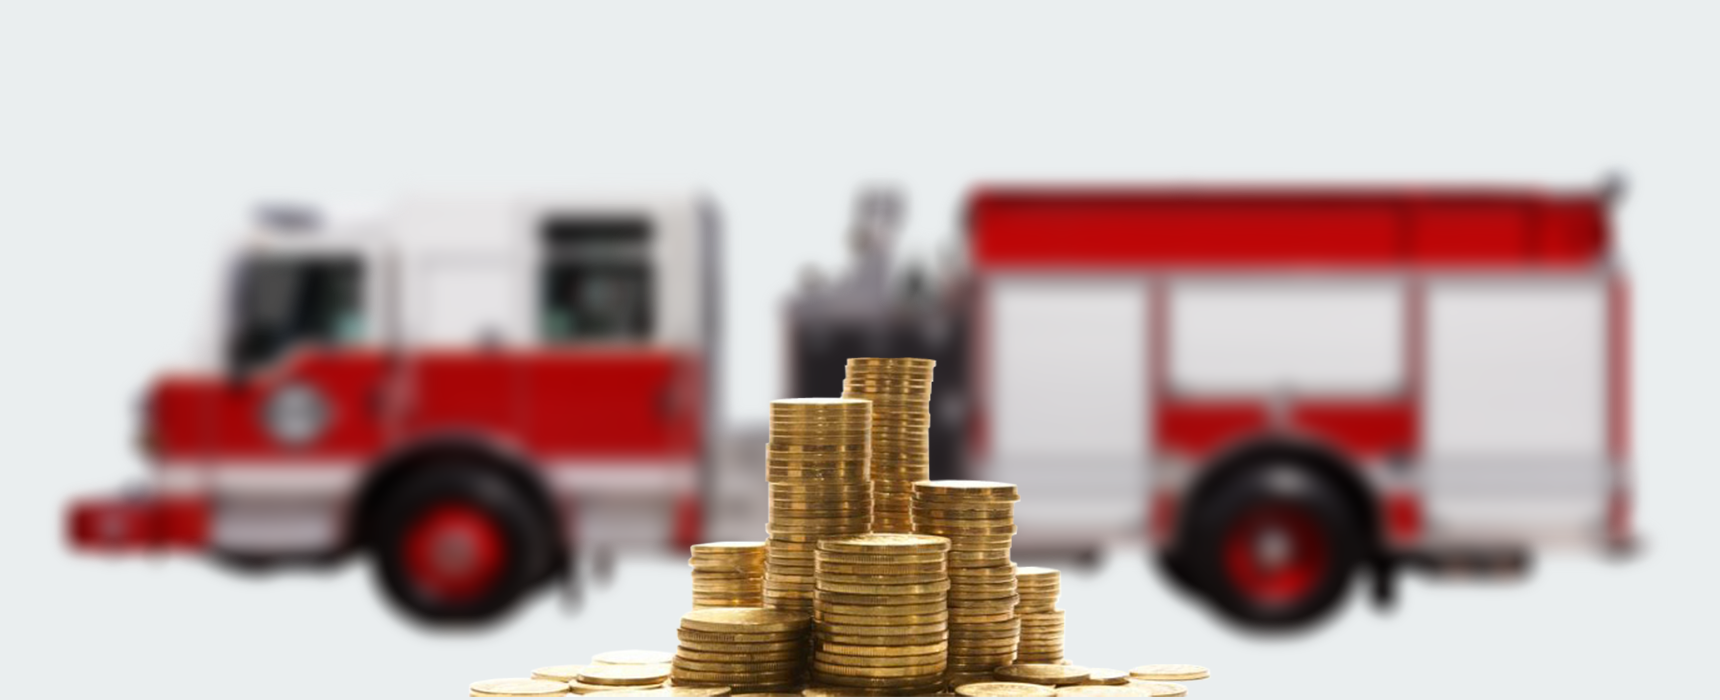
x=459, y=544
x=1277, y=547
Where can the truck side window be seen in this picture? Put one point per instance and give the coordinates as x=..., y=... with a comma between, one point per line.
x=283, y=303
x=596, y=281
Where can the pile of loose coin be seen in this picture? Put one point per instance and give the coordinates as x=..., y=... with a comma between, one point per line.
x=900, y=390
x=978, y=517
x=880, y=623
x=816, y=464
x=728, y=575
x=749, y=650
x=1041, y=621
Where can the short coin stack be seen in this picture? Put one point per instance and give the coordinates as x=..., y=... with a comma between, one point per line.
x=1041, y=621
x=728, y=575
x=880, y=623
x=817, y=468
x=978, y=517
x=901, y=393
x=751, y=650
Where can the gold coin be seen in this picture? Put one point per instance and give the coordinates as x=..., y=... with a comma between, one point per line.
x=1169, y=672
x=517, y=687
x=1160, y=689
x=891, y=599
x=728, y=548
x=742, y=666
x=786, y=653
x=716, y=691
x=882, y=618
x=1002, y=645
x=559, y=674
x=711, y=570
x=966, y=487
x=849, y=629
x=876, y=660
x=884, y=589
x=880, y=649
x=846, y=438
x=825, y=606
x=898, y=686
x=880, y=558
x=985, y=574
x=694, y=635
x=1047, y=674
x=861, y=449
x=850, y=489
x=965, y=619
x=1102, y=691
x=818, y=403
x=979, y=607
x=880, y=543
x=700, y=649
x=633, y=657
x=624, y=674
x=746, y=680
x=916, y=671
x=879, y=640
x=907, y=363
x=745, y=620
x=1004, y=690
x=832, y=567
x=919, y=577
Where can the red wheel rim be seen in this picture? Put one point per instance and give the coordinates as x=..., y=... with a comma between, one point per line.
x=1275, y=554
x=454, y=552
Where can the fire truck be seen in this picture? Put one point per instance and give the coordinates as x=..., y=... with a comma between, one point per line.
x=1276, y=387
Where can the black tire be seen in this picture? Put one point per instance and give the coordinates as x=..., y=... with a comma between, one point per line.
x=1276, y=547
x=1176, y=569
x=459, y=544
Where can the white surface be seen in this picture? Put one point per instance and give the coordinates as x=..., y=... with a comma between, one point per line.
x=1306, y=336
x=1068, y=374
x=134, y=136
x=1516, y=369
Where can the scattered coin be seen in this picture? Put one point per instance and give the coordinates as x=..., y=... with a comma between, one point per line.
x=1005, y=690
x=1169, y=672
x=517, y=688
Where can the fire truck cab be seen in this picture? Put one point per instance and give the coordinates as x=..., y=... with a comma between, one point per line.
x=467, y=388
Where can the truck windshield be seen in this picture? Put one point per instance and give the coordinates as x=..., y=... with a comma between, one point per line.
x=281, y=303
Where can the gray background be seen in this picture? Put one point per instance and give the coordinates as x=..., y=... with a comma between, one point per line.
x=132, y=137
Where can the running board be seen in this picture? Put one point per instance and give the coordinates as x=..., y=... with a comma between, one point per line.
x=1478, y=563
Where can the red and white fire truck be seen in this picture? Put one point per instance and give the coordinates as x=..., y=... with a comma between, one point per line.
x=1276, y=386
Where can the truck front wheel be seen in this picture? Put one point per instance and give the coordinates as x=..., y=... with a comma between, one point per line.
x=458, y=545
x=1274, y=548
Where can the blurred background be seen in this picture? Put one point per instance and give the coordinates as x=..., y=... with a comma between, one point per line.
x=138, y=141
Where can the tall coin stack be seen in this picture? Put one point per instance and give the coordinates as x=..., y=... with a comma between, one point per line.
x=817, y=468
x=728, y=575
x=750, y=650
x=978, y=517
x=901, y=393
x=1041, y=621
x=880, y=626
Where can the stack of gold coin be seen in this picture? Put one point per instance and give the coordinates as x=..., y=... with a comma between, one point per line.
x=751, y=650
x=728, y=575
x=817, y=468
x=978, y=517
x=880, y=625
x=901, y=393
x=1041, y=621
